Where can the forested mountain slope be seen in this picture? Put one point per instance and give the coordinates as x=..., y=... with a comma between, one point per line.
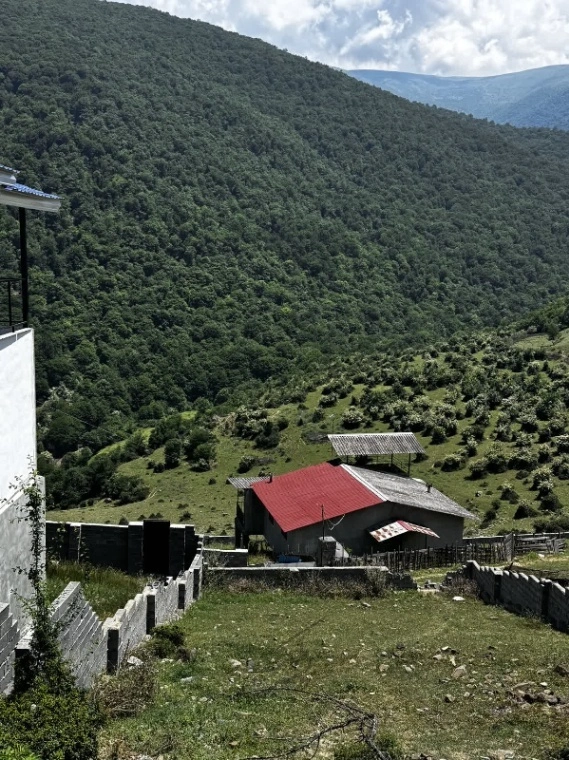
x=533, y=98
x=232, y=211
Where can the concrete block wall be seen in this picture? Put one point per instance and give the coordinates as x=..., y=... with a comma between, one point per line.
x=9, y=635
x=186, y=589
x=126, y=630
x=118, y=546
x=558, y=606
x=197, y=568
x=226, y=557
x=91, y=646
x=521, y=593
x=81, y=635
x=162, y=603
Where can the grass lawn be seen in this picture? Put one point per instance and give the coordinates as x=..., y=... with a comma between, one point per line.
x=380, y=656
x=107, y=590
x=552, y=565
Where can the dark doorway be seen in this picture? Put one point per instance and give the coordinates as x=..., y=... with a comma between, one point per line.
x=156, y=547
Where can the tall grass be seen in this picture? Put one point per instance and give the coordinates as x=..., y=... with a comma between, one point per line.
x=106, y=589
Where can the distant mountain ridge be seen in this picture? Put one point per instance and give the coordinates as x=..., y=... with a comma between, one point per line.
x=533, y=98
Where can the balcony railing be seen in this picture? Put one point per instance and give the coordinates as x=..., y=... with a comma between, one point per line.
x=11, y=304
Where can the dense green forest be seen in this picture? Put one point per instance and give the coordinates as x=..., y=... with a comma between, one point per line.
x=233, y=213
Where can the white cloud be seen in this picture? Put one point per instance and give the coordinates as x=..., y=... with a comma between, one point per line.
x=490, y=37
x=469, y=37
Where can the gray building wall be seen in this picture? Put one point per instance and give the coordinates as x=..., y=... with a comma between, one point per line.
x=352, y=531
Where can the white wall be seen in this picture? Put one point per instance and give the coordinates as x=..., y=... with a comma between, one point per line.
x=17, y=410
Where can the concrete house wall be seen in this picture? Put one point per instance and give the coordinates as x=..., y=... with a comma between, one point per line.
x=17, y=460
x=17, y=409
x=352, y=531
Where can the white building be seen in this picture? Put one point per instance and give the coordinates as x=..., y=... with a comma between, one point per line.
x=18, y=450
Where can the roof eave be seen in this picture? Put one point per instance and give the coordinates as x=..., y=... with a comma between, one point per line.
x=19, y=200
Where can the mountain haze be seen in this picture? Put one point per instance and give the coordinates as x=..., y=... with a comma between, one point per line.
x=233, y=213
x=533, y=98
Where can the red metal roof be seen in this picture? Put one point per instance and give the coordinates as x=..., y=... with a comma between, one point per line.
x=295, y=500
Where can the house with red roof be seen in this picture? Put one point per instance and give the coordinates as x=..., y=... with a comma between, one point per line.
x=363, y=509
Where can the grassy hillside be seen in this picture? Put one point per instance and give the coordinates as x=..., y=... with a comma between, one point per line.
x=292, y=652
x=533, y=98
x=491, y=412
x=233, y=213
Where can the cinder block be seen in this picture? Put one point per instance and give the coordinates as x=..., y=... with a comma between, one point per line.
x=135, y=547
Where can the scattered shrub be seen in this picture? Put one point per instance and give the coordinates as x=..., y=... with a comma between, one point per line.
x=245, y=463
x=452, y=462
x=541, y=475
x=172, y=453
x=317, y=415
x=549, y=502
x=525, y=509
x=352, y=418
x=491, y=514
x=60, y=724
x=556, y=524
x=479, y=468
x=129, y=691
x=167, y=641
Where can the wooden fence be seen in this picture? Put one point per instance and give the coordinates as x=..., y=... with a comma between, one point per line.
x=492, y=553
x=423, y=559
x=544, y=545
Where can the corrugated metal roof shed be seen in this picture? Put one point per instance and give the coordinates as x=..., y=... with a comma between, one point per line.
x=407, y=491
x=375, y=444
x=295, y=500
x=242, y=483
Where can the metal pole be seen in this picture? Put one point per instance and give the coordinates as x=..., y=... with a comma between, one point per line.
x=24, y=266
x=323, y=534
x=9, y=293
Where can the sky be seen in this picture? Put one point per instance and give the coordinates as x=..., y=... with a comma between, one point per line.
x=446, y=37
